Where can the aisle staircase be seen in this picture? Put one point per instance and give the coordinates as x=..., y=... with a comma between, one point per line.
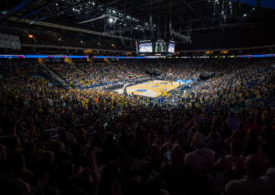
x=106, y=60
x=76, y=68
x=54, y=76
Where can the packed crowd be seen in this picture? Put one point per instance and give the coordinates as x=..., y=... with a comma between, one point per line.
x=218, y=139
x=87, y=75
x=95, y=74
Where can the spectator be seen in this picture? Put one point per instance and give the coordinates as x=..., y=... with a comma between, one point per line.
x=251, y=184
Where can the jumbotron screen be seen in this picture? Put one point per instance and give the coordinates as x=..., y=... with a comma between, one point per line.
x=145, y=47
x=160, y=47
x=171, y=48
x=157, y=47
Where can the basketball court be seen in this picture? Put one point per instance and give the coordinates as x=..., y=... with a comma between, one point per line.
x=152, y=88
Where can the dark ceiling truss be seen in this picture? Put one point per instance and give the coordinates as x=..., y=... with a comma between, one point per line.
x=141, y=9
x=184, y=15
x=194, y=10
x=18, y=7
x=191, y=8
x=44, y=6
x=53, y=8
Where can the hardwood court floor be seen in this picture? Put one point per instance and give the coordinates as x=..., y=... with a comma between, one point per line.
x=151, y=88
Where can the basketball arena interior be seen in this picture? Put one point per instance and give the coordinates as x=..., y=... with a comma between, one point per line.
x=137, y=97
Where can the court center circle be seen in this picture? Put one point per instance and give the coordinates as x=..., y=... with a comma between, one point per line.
x=141, y=90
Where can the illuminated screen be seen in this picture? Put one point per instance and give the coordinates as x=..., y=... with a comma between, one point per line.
x=145, y=48
x=40, y=56
x=171, y=48
x=160, y=47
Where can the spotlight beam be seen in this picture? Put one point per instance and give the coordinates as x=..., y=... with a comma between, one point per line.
x=93, y=19
x=19, y=7
x=191, y=8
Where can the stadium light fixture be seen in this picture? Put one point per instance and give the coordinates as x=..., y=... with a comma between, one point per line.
x=91, y=2
x=111, y=20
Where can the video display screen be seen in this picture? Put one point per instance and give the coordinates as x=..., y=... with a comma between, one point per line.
x=171, y=48
x=157, y=47
x=145, y=47
x=160, y=47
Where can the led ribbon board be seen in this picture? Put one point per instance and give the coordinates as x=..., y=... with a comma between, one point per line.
x=40, y=56
x=122, y=57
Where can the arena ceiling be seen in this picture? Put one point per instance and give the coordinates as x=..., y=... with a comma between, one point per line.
x=138, y=18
